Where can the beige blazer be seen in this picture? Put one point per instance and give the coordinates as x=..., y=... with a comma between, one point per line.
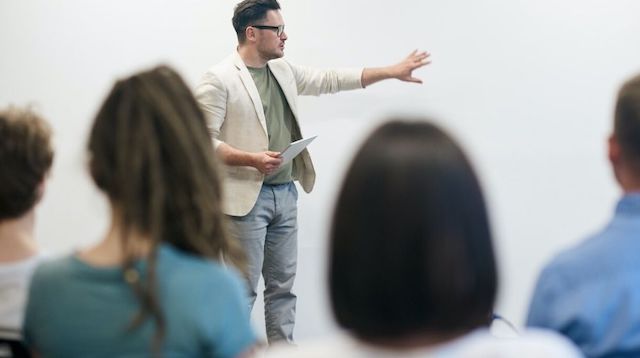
x=234, y=113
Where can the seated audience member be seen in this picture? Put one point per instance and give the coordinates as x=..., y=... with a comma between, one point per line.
x=26, y=155
x=155, y=284
x=591, y=293
x=412, y=271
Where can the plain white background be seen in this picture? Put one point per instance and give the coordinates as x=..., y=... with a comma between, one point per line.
x=527, y=87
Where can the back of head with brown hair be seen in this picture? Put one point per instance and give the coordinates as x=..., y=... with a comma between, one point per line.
x=151, y=154
x=627, y=122
x=26, y=155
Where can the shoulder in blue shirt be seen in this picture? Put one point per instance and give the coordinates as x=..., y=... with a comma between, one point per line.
x=591, y=293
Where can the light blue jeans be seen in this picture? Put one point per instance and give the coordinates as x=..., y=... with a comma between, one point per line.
x=268, y=234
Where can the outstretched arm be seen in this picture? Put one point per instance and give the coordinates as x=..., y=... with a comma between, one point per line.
x=402, y=70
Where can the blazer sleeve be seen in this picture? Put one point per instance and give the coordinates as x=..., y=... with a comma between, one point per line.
x=314, y=82
x=211, y=95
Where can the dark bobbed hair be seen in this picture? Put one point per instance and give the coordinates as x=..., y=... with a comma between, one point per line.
x=26, y=155
x=151, y=154
x=410, y=247
x=250, y=12
x=627, y=122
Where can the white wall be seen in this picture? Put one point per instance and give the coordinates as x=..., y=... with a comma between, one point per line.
x=527, y=86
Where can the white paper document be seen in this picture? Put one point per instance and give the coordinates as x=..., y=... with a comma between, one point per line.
x=295, y=148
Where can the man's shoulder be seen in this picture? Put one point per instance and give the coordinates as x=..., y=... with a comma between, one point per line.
x=221, y=69
x=577, y=263
x=279, y=63
x=282, y=69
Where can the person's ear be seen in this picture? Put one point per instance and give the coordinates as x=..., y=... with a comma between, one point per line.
x=250, y=33
x=614, y=151
x=41, y=188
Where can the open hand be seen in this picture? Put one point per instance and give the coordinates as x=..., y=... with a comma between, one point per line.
x=404, y=69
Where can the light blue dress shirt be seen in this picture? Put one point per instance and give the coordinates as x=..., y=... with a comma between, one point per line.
x=591, y=293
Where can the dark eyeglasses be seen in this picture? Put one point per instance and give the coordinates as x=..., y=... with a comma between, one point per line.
x=278, y=29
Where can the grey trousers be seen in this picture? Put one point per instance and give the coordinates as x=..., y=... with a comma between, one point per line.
x=268, y=234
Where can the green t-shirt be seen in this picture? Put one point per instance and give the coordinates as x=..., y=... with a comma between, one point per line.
x=279, y=118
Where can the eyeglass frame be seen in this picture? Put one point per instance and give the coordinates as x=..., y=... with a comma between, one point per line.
x=279, y=30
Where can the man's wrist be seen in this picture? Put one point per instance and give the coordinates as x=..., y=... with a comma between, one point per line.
x=392, y=72
x=235, y=157
x=252, y=159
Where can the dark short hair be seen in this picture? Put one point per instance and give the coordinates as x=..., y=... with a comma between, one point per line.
x=627, y=122
x=26, y=155
x=410, y=247
x=249, y=12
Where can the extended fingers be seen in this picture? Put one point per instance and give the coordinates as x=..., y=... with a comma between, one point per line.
x=416, y=60
x=423, y=55
x=415, y=55
x=421, y=59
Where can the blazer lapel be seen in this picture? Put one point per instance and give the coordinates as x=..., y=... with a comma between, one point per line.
x=250, y=86
x=281, y=77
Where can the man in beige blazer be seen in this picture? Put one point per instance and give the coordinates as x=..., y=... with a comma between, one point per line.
x=249, y=100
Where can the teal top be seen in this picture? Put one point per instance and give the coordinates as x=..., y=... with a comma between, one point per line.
x=79, y=310
x=279, y=118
